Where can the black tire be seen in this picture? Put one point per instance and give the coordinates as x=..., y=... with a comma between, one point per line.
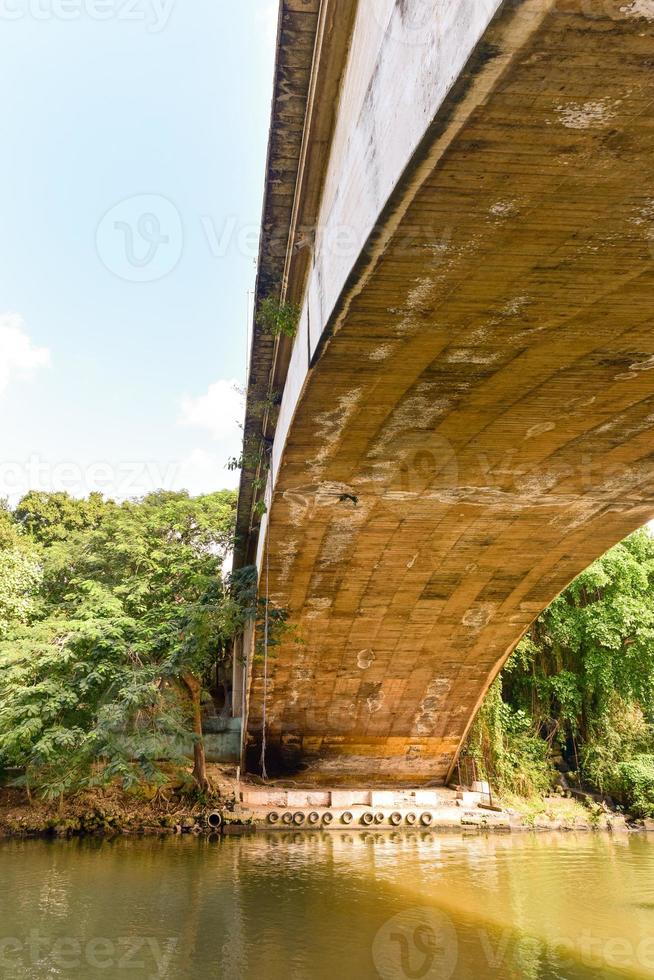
x=287, y=818
x=395, y=819
x=379, y=818
x=427, y=819
x=273, y=817
x=327, y=818
x=314, y=817
x=411, y=819
x=367, y=819
x=347, y=817
x=299, y=818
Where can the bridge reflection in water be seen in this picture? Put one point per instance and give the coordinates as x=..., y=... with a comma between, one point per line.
x=360, y=905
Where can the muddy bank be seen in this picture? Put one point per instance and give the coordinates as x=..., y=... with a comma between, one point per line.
x=173, y=809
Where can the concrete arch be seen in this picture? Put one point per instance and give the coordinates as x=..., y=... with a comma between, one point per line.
x=472, y=423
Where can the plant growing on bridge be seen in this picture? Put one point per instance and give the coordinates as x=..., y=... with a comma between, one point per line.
x=245, y=604
x=257, y=459
x=278, y=319
x=269, y=405
x=254, y=456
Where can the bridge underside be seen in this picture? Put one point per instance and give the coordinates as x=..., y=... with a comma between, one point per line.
x=478, y=427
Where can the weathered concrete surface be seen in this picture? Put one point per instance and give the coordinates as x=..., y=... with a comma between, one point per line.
x=298, y=24
x=481, y=382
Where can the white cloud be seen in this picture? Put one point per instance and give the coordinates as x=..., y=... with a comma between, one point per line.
x=220, y=411
x=266, y=20
x=204, y=472
x=19, y=358
x=199, y=472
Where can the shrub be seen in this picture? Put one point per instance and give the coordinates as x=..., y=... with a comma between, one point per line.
x=636, y=783
x=507, y=749
x=620, y=734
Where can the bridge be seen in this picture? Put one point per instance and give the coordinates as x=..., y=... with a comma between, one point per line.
x=460, y=202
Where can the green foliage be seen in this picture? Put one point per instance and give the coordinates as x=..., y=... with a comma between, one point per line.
x=256, y=457
x=594, y=641
x=581, y=682
x=67, y=686
x=635, y=781
x=20, y=575
x=104, y=615
x=243, y=603
x=278, y=319
x=619, y=733
x=49, y=517
x=507, y=750
x=269, y=405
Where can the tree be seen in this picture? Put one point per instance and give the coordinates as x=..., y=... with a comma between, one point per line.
x=581, y=682
x=133, y=613
x=595, y=642
x=20, y=574
x=49, y=517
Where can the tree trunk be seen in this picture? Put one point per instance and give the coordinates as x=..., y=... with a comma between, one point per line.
x=199, y=758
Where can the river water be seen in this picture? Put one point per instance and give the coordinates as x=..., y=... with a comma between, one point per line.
x=337, y=906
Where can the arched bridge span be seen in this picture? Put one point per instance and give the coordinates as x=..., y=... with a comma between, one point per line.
x=461, y=201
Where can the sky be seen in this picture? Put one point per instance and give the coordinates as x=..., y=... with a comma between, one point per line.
x=134, y=136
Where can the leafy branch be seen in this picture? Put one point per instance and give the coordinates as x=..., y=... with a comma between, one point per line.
x=278, y=319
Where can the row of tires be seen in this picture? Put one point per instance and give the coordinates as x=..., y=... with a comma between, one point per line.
x=367, y=819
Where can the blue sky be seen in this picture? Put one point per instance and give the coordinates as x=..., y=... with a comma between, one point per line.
x=134, y=135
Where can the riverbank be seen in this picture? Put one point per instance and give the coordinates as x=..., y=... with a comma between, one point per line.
x=172, y=809
x=237, y=807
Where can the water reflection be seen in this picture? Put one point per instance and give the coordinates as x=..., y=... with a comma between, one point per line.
x=346, y=905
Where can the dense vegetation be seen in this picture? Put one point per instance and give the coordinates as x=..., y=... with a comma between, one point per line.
x=113, y=619
x=579, y=690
